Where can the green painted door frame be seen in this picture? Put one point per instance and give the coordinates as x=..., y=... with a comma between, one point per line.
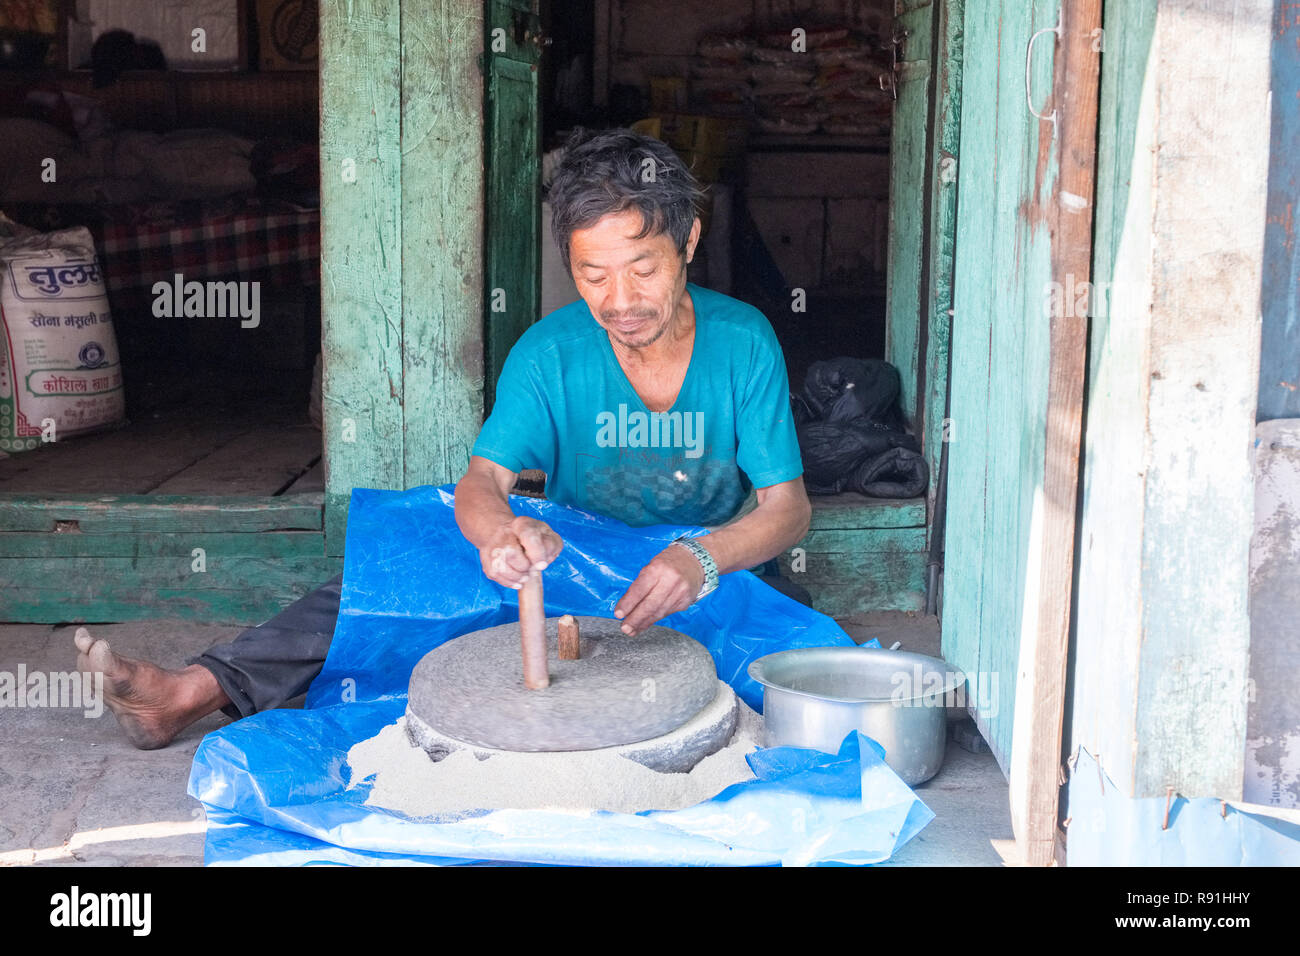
x=1017, y=383
x=402, y=186
x=512, y=280
x=909, y=162
x=922, y=216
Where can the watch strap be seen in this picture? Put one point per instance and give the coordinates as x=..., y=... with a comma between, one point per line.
x=706, y=562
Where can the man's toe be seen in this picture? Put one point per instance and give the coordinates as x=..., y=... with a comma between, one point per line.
x=83, y=640
x=100, y=657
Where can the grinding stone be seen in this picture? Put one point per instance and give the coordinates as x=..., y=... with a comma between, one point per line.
x=622, y=690
x=676, y=752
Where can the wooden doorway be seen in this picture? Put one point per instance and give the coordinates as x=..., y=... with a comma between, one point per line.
x=1026, y=184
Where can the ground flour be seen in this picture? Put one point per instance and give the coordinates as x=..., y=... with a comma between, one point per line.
x=406, y=780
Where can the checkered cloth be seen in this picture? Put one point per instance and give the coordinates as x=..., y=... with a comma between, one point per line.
x=247, y=238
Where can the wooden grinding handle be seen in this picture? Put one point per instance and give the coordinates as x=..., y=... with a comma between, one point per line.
x=570, y=648
x=532, y=632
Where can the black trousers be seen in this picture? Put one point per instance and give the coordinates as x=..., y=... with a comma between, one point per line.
x=269, y=665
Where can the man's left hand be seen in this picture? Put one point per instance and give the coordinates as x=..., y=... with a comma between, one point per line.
x=666, y=585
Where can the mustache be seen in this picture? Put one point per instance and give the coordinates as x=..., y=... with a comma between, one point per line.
x=612, y=315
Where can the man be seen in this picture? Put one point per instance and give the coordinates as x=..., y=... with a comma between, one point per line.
x=644, y=348
x=649, y=400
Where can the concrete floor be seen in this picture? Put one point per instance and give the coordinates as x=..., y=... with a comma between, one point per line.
x=73, y=791
x=972, y=816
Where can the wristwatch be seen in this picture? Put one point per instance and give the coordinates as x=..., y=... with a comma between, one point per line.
x=706, y=562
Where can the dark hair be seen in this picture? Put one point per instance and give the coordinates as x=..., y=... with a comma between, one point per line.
x=604, y=173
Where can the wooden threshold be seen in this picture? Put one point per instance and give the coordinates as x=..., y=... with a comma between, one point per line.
x=212, y=513
x=862, y=554
x=852, y=510
x=202, y=451
x=118, y=514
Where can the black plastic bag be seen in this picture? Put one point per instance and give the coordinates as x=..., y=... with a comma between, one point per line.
x=852, y=433
x=832, y=452
x=848, y=389
x=897, y=473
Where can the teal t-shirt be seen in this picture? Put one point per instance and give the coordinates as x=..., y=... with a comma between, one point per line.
x=565, y=406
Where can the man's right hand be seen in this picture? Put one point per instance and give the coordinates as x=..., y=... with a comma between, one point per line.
x=517, y=548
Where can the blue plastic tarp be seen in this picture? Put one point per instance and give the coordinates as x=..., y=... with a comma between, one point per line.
x=275, y=785
x=1109, y=828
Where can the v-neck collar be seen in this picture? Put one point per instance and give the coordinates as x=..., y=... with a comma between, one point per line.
x=621, y=375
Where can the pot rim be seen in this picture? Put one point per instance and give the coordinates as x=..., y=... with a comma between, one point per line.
x=952, y=676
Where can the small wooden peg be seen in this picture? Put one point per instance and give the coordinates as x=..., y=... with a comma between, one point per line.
x=570, y=647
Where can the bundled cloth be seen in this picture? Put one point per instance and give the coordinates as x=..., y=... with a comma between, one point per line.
x=852, y=433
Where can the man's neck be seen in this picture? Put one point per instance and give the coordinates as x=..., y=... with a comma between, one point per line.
x=677, y=339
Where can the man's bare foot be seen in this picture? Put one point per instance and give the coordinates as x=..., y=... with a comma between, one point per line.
x=152, y=705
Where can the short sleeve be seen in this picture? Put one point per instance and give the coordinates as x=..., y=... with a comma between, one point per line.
x=520, y=432
x=767, y=448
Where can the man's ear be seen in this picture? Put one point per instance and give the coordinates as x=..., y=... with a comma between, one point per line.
x=693, y=240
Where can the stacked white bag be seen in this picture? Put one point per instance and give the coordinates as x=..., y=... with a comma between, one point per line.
x=60, y=373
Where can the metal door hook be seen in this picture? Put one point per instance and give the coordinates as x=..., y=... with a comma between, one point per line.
x=1029, y=60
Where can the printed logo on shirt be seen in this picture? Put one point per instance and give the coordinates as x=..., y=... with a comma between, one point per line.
x=636, y=429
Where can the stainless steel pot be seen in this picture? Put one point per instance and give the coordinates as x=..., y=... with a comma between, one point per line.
x=812, y=697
